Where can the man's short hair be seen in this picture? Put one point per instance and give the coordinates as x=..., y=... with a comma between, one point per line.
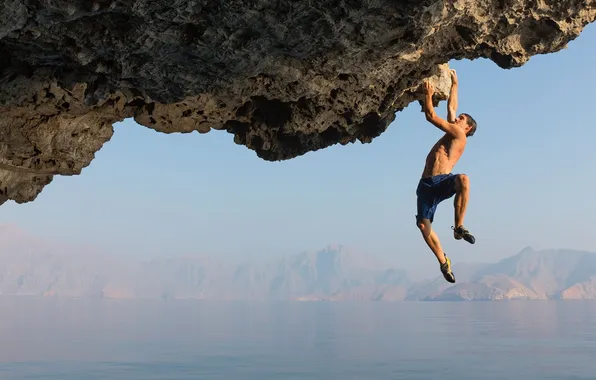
x=472, y=123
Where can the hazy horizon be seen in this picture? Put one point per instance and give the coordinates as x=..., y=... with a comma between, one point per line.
x=13, y=235
x=153, y=194
x=33, y=266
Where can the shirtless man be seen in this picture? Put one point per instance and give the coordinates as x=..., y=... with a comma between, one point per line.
x=438, y=183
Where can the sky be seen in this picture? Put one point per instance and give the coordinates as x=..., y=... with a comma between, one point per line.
x=530, y=163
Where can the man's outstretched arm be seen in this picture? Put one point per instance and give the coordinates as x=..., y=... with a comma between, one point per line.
x=431, y=116
x=452, y=102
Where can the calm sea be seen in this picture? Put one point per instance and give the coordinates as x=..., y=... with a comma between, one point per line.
x=173, y=340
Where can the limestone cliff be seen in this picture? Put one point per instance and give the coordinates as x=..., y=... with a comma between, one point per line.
x=285, y=77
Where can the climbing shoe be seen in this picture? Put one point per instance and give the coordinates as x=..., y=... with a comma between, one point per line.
x=446, y=270
x=461, y=232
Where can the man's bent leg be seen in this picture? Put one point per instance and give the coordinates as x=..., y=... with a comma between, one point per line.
x=432, y=240
x=460, y=203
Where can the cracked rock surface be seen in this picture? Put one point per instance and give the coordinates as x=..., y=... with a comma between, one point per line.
x=285, y=77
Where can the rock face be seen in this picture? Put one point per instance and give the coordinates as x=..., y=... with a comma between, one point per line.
x=285, y=77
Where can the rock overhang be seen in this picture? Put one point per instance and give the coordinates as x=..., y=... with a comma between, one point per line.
x=285, y=78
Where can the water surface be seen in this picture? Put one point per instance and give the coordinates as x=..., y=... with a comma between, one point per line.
x=178, y=340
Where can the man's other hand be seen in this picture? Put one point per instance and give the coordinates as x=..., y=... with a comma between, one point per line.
x=453, y=77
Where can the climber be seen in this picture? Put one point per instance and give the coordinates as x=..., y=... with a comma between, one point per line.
x=437, y=182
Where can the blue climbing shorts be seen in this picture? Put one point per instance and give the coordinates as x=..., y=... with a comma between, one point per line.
x=431, y=191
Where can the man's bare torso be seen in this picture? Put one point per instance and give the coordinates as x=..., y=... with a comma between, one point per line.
x=443, y=156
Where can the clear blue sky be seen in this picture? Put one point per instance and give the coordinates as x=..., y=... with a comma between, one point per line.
x=531, y=165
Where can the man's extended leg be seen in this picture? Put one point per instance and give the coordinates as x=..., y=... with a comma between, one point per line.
x=432, y=240
x=460, y=203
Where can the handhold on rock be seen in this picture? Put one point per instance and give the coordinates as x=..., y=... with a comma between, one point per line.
x=442, y=84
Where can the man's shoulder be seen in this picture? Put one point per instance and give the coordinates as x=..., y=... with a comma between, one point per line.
x=460, y=138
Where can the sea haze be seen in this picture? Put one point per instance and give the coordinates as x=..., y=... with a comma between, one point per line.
x=32, y=267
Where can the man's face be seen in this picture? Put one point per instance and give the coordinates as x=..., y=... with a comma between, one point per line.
x=462, y=122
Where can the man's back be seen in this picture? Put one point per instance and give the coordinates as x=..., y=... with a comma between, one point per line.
x=444, y=155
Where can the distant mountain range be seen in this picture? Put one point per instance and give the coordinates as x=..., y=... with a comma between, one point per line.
x=29, y=266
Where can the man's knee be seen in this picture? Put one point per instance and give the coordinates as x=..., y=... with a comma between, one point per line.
x=424, y=225
x=462, y=182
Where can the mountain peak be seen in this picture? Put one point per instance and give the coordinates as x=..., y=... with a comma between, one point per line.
x=527, y=249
